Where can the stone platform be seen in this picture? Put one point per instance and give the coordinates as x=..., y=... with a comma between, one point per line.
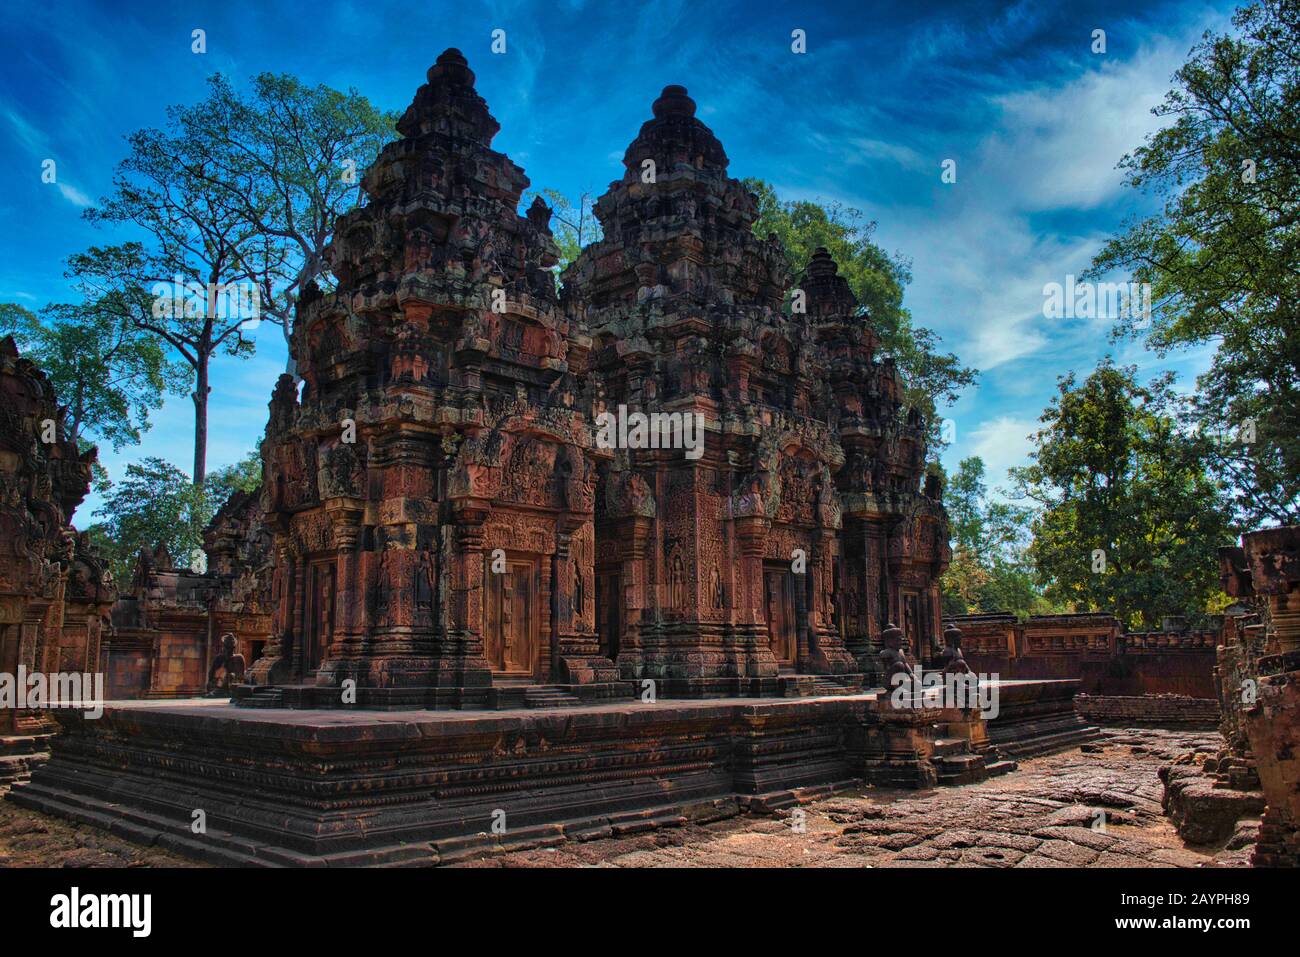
x=344, y=787
x=19, y=754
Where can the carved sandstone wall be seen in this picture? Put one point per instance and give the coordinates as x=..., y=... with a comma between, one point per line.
x=54, y=593
x=442, y=514
x=1094, y=648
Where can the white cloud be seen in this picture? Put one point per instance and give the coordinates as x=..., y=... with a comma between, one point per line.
x=1057, y=147
x=36, y=143
x=74, y=195
x=1002, y=442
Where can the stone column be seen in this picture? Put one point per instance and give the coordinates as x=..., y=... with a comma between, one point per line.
x=634, y=543
x=350, y=586
x=460, y=655
x=753, y=649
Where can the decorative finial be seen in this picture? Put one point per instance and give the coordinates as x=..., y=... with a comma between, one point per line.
x=822, y=264
x=451, y=67
x=673, y=101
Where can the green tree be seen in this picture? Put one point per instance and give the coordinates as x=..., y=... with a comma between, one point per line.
x=288, y=158
x=154, y=504
x=237, y=197
x=988, y=572
x=877, y=279
x=1129, y=518
x=244, y=476
x=574, y=225
x=1221, y=256
x=107, y=374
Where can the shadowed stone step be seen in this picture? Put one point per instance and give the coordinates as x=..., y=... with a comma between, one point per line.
x=547, y=696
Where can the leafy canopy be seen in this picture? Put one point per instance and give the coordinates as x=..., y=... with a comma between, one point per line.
x=1222, y=257
x=1129, y=518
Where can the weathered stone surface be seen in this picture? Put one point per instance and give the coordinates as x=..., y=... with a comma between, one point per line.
x=54, y=592
x=1157, y=710
x=162, y=641
x=444, y=517
x=1202, y=812
x=1260, y=674
x=371, y=786
x=239, y=548
x=1045, y=815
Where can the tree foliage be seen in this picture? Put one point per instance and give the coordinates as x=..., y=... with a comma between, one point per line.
x=988, y=572
x=237, y=198
x=1129, y=518
x=107, y=374
x=244, y=476
x=158, y=504
x=154, y=504
x=290, y=159
x=1223, y=255
x=574, y=225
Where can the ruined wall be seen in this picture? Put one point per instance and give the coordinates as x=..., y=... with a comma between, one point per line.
x=162, y=639
x=50, y=583
x=1261, y=682
x=54, y=592
x=1155, y=710
x=1095, y=649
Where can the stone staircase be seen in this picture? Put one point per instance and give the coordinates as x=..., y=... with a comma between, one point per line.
x=815, y=686
x=954, y=760
x=264, y=697
x=19, y=754
x=549, y=696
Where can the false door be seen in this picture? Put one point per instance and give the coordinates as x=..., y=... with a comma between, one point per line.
x=778, y=594
x=512, y=619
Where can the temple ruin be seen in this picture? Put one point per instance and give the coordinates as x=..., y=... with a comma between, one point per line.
x=482, y=598
x=55, y=594
x=448, y=527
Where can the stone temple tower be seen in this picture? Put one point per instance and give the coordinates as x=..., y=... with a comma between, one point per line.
x=453, y=524
x=725, y=572
x=432, y=490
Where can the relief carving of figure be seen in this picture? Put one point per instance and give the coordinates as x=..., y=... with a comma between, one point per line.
x=227, y=669
x=893, y=656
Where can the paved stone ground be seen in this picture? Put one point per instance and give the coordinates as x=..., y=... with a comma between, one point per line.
x=1038, y=816
x=1041, y=815
x=31, y=839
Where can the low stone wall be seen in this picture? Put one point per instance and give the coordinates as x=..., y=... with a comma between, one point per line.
x=1159, y=711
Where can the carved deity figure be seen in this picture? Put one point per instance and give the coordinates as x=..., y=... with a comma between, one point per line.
x=952, y=659
x=227, y=669
x=893, y=656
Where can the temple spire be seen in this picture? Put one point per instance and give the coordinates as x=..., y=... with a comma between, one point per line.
x=449, y=103
x=674, y=136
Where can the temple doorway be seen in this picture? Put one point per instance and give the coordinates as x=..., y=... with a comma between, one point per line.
x=609, y=597
x=9, y=649
x=778, y=600
x=912, y=625
x=320, y=616
x=511, y=618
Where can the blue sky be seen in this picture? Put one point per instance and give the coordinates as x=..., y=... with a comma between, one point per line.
x=886, y=92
